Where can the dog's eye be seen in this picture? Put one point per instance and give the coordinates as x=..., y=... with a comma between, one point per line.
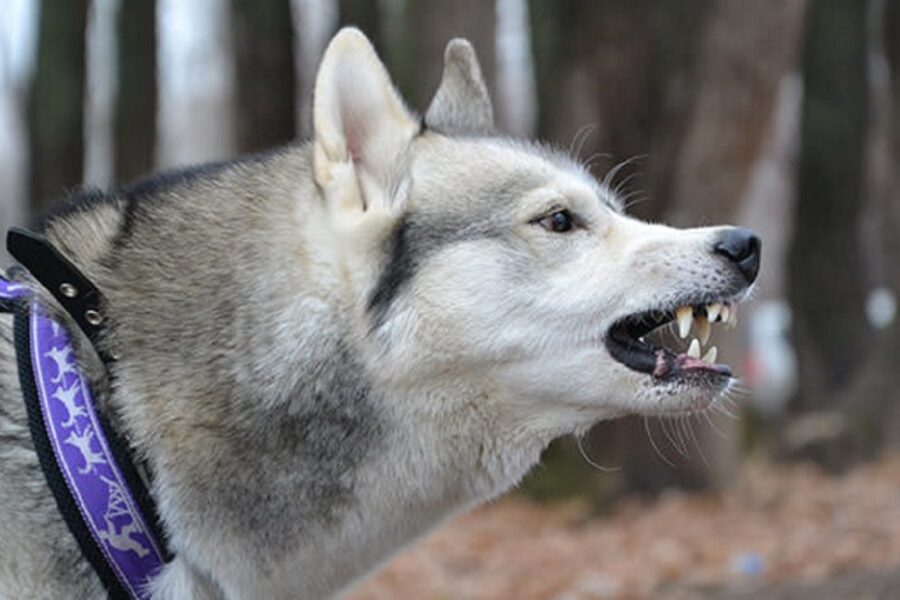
x=559, y=221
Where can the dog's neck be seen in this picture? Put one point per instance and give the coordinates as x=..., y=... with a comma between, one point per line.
x=431, y=468
x=281, y=462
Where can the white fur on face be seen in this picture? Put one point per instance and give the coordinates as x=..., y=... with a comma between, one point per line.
x=522, y=310
x=474, y=290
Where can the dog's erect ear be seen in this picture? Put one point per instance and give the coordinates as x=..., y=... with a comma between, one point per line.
x=461, y=104
x=362, y=128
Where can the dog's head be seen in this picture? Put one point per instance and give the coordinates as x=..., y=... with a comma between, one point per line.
x=505, y=266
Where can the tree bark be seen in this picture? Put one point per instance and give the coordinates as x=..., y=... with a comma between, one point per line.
x=749, y=47
x=56, y=109
x=826, y=267
x=262, y=35
x=827, y=280
x=613, y=82
x=136, y=105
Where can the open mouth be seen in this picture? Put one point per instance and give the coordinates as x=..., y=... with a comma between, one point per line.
x=636, y=341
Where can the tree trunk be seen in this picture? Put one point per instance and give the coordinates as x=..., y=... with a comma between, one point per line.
x=264, y=73
x=135, y=116
x=612, y=82
x=56, y=110
x=826, y=278
x=748, y=49
x=196, y=116
x=874, y=399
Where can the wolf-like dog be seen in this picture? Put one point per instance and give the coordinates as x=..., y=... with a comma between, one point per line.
x=328, y=349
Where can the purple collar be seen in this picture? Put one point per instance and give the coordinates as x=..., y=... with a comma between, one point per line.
x=86, y=465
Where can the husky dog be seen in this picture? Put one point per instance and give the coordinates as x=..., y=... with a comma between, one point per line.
x=326, y=350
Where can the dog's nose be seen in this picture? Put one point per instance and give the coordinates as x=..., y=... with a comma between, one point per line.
x=741, y=247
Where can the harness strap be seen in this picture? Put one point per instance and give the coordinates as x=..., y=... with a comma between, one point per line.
x=59, y=276
x=98, y=491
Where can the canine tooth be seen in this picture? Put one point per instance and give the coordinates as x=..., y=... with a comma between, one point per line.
x=684, y=315
x=710, y=355
x=694, y=349
x=725, y=315
x=713, y=311
x=703, y=328
x=733, y=319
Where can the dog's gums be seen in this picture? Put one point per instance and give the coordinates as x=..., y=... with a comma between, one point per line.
x=627, y=341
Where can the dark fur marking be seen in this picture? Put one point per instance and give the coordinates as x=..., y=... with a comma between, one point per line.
x=152, y=187
x=305, y=458
x=83, y=200
x=410, y=244
x=397, y=272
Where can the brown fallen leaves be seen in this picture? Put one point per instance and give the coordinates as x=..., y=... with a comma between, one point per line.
x=777, y=523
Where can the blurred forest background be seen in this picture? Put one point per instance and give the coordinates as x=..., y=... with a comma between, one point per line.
x=780, y=115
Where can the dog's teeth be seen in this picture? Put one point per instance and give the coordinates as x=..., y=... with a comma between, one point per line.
x=694, y=349
x=713, y=311
x=703, y=328
x=710, y=355
x=732, y=317
x=684, y=315
x=725, y=314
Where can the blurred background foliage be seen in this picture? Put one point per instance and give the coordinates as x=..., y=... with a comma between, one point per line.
x=782, y=115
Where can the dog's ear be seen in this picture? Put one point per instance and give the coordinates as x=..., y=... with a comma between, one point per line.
x=461, y=104
x=362, y=128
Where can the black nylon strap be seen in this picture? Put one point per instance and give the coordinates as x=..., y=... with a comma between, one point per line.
x=55, y=480
x=59, y=276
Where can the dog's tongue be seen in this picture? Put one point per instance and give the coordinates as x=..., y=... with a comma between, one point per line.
x=668, y=364
x=686, y=363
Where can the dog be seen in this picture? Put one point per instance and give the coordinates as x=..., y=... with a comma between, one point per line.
x=326, y=350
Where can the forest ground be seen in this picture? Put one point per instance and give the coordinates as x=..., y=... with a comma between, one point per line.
x=781, y=531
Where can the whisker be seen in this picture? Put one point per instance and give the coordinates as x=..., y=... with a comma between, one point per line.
x=621, y=185
x=590, y=461
x=653, y=443
x=584, y=132
x=697, y=443
x=713, y=425
x=663, y=423
x=730, y=403
x=589, y=161
x=633, y=199
x=722, y=410
x=611, y=174
x=679, y=435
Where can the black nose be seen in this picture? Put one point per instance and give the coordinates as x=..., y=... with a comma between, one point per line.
x=740, y=246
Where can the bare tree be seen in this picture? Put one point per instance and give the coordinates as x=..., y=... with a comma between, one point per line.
x=264, y=73
x=747, y=50
x=136, y=105
x=56, y=108
x=826, y=270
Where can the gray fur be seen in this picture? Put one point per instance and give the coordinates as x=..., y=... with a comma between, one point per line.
x=196, y=313
x=329, y=348
x=461, y=105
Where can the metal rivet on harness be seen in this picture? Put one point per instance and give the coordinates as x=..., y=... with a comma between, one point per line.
x=68, y=290
x=93, y=317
